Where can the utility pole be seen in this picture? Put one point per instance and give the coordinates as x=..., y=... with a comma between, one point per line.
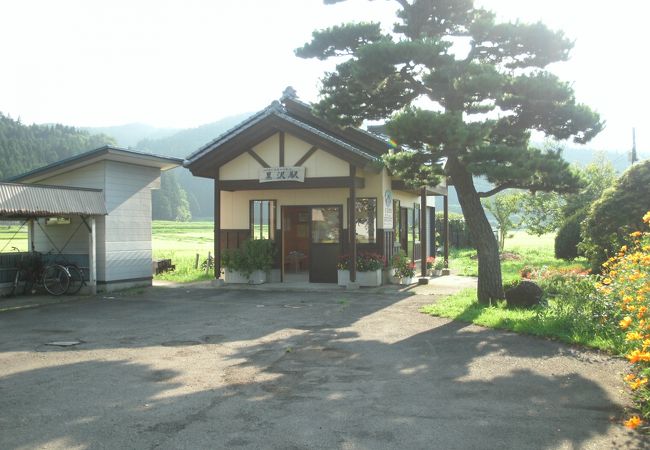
x=633, y=157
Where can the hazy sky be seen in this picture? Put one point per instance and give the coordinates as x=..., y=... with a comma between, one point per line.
x=190, y=62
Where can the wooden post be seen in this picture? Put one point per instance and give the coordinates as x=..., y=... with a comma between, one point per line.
x=207, y=263
x=423, y=231
x=352, y=224
x=217, y=227
x=196, y=262
x=445, y=225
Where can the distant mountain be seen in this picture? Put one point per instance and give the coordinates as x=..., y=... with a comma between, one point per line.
x=184, y=142
x=130, y=134
x=200, y=191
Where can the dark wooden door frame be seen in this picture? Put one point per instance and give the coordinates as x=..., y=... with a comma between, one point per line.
x=309, y=209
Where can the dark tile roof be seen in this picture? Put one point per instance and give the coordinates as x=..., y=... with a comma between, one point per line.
x=278, y=110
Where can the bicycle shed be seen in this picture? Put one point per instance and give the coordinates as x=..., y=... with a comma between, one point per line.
x=65, y=220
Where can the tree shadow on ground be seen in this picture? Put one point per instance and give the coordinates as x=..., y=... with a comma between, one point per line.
x=320, y=376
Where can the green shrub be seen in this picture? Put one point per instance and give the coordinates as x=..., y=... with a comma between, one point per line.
x=616, y=214
x=568, y=237
x=257, y=254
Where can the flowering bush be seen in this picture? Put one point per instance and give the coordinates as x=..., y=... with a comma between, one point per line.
x=404, y=267
x=431, y=260
x=626, y=282
x=366, y=262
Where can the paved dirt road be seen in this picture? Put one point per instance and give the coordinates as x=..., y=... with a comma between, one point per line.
x=198, y=368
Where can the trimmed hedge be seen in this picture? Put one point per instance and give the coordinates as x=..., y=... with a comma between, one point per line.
x=568, y=237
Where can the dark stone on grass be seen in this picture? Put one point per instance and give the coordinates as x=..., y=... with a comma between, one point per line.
x=526, y=294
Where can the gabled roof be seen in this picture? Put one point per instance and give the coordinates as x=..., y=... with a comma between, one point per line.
x=106, y=153
x=37, y=200
x=295, y=117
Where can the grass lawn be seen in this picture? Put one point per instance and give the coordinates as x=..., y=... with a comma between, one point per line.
x=180, y=242
x=13, y=236
x=536, y=252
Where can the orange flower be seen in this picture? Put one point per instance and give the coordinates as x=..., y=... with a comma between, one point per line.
x=626, y=322
x=633, y=422
x=638, y=383
x=629, y=377
x=636, y=355
x=633, y=336
x=636, y=234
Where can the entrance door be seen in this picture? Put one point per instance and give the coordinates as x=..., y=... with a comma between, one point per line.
x=296, y=224
x=326, y=230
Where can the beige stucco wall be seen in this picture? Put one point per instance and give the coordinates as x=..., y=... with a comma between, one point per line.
x=235, y=205
x=320, y=164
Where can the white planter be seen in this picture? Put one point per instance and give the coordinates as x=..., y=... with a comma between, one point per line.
x=437, y=272
x=234, y=277
x=342, y=277
x=364, y=279
x=405, y=281
x=369, y=279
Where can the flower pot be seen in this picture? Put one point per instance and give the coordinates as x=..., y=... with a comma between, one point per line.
x=235, y=277
x=405, y=281
x=437, y=272
x=369, y=279
x=257, y=277
x=342, y=277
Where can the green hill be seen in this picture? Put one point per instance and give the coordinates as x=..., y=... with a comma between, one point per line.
x=26, y=147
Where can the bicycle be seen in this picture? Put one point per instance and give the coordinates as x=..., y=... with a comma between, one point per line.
x=54, y=278
x=77, y=280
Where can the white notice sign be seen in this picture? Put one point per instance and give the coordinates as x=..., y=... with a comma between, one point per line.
x=388, y=210
x=282, y=174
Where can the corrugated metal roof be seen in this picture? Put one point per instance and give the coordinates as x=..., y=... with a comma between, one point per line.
x=106, y=152
x=34, y=200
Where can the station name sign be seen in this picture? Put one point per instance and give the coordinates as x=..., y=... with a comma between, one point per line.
x=268, y=174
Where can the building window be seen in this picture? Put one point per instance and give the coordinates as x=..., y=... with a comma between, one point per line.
x=262, y=219
x=325, y=224
x=366, y=220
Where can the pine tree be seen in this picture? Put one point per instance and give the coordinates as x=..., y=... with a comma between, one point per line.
x=486, y=102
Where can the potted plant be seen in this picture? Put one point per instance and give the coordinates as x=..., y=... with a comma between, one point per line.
x=431, y=260
x=438, y=266
x=249, y=263
x=404, y=269
x=369, y=267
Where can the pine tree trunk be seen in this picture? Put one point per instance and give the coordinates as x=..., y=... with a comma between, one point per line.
x=490, y=285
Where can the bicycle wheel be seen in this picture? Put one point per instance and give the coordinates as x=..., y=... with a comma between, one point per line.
x=56, y=279
x=76, y=280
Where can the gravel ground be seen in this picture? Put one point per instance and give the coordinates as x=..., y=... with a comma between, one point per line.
x=194, y=367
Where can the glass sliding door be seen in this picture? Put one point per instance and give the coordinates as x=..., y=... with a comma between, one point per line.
x=326, y=229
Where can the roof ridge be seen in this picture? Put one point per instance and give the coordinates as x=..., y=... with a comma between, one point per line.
x=274, y=106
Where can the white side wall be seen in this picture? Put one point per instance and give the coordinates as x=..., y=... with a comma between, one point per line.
x=128, y=252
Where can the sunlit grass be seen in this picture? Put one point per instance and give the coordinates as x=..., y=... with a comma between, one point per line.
x=534, y=251
x=181, y=242
x=463, y=307
x=13, y=236
x=531, y=251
